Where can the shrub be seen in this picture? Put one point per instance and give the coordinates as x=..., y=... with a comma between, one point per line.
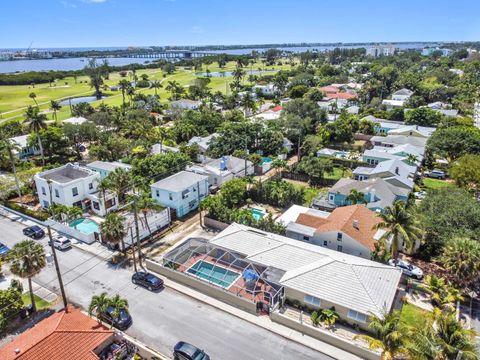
x=16, y=285
x=41, y=215
x=315, y=317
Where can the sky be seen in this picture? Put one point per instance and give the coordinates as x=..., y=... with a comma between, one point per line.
x=97, y=23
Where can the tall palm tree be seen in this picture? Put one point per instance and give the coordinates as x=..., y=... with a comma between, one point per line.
x=147, y=205
x=249, y=104
x=175, y=89
x=99, y=304
x=124, y=85
x=461, y=257
x=412, y=159
x=113, y=229
x=400, y=225
x=27, y=259
x=155, y=84
x=36, y=122
x=33, y=96
x=388, y=335
x=119, y=181
x=74, y=212
x=6, y=146
x=118, y=304
x=356, y=197
x=55, y=106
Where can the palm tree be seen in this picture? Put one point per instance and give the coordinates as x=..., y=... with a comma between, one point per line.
x=118, y=304
x=249, y=104
x=175, y=89
x=441, y=292
x=113, y=229
x=388, y=335
x=356, y=197
x=74, y=212
x=400, y=226
x=7, y=146
x=99, y=304
x=56, y=210
x=27, y=259
x=119, y=181
x=36, y=122
x=412, y=159
x=55, y=106
x=156, y=85
x=130, y=92
x=124, y=85
x=33, y=96
x=146, y=205
x=461, y=257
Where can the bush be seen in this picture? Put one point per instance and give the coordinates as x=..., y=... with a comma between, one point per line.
x=315, y=317
x=41, y=215
x=16, y=285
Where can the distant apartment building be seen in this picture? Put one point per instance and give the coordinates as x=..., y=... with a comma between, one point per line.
x=428, y=51
x=380, y=50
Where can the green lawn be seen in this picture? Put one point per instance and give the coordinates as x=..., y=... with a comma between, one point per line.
x=337, y=174
x=39, y=302
x=432, y=184
x=412, y=314
x=14, y=99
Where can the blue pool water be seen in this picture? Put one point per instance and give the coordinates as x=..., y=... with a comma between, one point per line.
x=78, y=100
x=86, y=226
x=257, y=213
x=214, y=274
x=266, y=160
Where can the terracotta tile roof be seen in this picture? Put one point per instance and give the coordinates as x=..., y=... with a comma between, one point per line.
x=277, y=108
x=341, y=95
x=342, y=218
x=62, y=336
x=329, y=89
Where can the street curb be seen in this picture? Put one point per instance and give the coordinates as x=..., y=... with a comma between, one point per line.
x=288, y=334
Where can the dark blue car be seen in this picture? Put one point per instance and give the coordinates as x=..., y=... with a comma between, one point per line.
x=4, y=250
x=186, y=351
x=34, y=232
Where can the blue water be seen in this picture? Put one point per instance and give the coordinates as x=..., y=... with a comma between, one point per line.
x=85, y=226
x=78, y=100
x=266, y=160
x=215, y=274
x=229, y=73
x=257, y=213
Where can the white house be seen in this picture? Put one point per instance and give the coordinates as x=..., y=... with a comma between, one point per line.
x=73, y=185
x=75, y=120
x=185, y=104
x=393, y=171
x=221, y=170
x=203, y=144
x=24, y=150
x=398, y=99
x=348, y=229
x=380, y=50
x=182, y=191
x=163, y=149
x=104, y=168
x=267, y=90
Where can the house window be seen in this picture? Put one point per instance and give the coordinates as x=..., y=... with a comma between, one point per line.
x=56, y=193
x=355, y=315
x=306, y=238
x=170, y=196
x=157, y=193
x=96, y=206
x=331, y=197
x=339, y=248
x=90, y=186
x=45, y=204
x=339, y=236
x=113, y=202
x=74, y=191
x=325, y=243
x=312, y=300
x=44, y=192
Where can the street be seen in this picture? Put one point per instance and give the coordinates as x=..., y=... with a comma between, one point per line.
x=161, y=319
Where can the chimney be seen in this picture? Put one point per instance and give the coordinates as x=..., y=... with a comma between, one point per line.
x=397, y=171
x=355, y=224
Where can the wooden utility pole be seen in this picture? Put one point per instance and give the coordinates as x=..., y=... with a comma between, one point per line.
x=198, y=199
x=133, y=250
x=57, y=268
x=137, y=231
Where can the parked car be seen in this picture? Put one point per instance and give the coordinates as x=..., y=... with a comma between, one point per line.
x=4, y=250
x=34, y=232
x=60, y=242
x=186, y=351
x=122, y=321
x=147, y=280
x=435, y=174
x=407, y=268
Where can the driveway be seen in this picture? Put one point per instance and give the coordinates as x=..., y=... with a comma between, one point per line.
x=161, y=319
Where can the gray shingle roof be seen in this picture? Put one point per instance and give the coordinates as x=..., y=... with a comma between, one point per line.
x=108, y=166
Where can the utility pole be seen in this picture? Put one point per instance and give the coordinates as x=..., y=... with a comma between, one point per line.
x=246, y=153
x=133, y=250
x=57, y=268
x=198, y=199
x=135, y=218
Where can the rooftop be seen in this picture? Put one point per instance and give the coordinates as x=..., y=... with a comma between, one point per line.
x=108, y=166
x=72, y=336
x=20, y=141
x=75, y=120
x=67, y=173
x=346, y=280
x=179, y=181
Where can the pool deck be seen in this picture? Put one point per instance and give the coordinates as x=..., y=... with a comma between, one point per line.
x=238, y=288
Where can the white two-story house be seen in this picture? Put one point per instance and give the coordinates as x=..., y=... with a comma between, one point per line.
x=182, y=191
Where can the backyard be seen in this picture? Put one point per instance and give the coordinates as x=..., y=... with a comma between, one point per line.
x=433, y=184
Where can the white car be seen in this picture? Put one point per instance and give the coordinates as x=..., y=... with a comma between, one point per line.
x=407, y=269
x=420, y=195
x=61, y=242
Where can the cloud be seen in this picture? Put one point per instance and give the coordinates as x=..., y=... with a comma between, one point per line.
x=68, y=4
x=197, y=30
x=95, y=1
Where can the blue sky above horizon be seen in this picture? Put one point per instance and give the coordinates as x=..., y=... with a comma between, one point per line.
x=96, y=23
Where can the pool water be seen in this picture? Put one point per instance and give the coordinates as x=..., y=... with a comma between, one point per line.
x=213, y=273
x=86, y=226
x=266, y=160
x=78, y=100
x=257, y=213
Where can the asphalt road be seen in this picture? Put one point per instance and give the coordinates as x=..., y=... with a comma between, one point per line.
x=162, y=319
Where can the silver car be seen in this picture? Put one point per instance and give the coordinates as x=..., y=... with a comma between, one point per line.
x=60, y=242
x=407, y=268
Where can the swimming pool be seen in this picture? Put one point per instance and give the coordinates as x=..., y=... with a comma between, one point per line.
x=86, y=226
x=257, y=213
x=213, y=273
x=266, y=160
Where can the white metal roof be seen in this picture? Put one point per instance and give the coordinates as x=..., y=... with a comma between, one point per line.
x=179, y=181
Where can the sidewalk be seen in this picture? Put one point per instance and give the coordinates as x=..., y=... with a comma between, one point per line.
x=264, y=322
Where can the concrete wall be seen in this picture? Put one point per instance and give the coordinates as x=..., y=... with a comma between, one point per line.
x=214, y=224
x=323, y=335
x=292, y=294
x=67, y=230
x=205, y=288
